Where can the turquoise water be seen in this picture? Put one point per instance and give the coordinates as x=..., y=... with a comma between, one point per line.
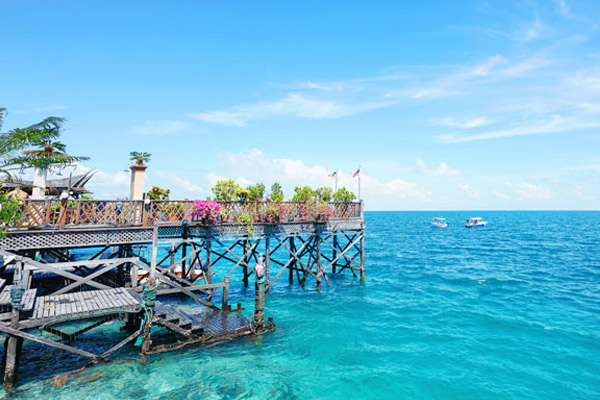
x=511, y=311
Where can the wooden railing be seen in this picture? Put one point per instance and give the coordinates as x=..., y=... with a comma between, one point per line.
x=61, y=214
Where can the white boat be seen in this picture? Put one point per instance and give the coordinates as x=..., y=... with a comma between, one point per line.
x=475, y=222
x=439, y=223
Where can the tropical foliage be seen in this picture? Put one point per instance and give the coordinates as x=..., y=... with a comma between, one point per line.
x=158, y=193
x=226, y=191
x=35, y=146
x=140, y=157
x=11, y=211
x=323, y=193
x=303, y=194
x=256, y=192
x=343, y=196
x=276, y=192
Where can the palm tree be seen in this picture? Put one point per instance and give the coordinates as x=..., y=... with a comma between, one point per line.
x=139, y=158
x=12, y=143
x=47, y=154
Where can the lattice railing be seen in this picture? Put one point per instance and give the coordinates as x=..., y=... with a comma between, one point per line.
x=61, y=214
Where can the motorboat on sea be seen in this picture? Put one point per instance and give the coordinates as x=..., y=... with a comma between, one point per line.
x=439, y=223
x=475, y=222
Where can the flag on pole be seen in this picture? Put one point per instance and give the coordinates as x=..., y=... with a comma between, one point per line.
x=333, y=174
x=356, y=173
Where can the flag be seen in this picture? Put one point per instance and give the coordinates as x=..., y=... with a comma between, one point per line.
x=356, y=173
x=333, y=174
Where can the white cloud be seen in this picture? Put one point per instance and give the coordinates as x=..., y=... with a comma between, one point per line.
x=470, y=191
x=432, y=169
x=253, y=166
x=161, y=127
x=103, y=184
x=294, y=104
x=180, y=182
x=530, y=191
x=465, y=124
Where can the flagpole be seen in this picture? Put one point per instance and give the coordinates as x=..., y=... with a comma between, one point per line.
x=359, y=182
x=336, y=179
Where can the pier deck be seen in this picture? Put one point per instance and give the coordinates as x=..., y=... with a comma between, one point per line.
x=123, y=239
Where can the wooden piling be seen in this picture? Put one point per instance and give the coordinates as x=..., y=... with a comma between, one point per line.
x=318, y=259
x=208, y=269
x=293, y=260
x=246, y=261
x=267, y=259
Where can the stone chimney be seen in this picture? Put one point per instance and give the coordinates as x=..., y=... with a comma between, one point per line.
x=136, y=186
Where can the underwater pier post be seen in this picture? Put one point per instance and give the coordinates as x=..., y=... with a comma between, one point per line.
x=318, y=259
x=361, y=204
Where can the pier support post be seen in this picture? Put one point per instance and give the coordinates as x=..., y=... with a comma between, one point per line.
x=293, y=263
x=334, y=257
x=259, y=297
x=267, y=261
x=208, y=269
x=13, y=344
x=318, y=259
x=362, y=256
x=246, y=260
x=149, y=300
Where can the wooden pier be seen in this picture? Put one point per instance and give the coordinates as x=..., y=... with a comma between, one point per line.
x=141, y=251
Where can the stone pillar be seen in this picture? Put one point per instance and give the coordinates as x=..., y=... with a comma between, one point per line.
x=39, y=184
x=136, y=186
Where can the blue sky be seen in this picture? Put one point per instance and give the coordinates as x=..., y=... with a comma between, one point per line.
x=444, y=105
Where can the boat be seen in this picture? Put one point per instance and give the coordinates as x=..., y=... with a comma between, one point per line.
x=439, y=223
x=475, y=222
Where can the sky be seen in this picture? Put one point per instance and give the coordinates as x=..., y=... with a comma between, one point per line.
x=444, y=105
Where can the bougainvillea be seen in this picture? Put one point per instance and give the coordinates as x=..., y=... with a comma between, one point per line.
x=206, y=211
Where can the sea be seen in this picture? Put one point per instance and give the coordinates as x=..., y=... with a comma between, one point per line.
x=509, y=311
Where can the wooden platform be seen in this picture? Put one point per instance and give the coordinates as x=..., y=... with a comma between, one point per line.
x=79, y=305
x=26, y=303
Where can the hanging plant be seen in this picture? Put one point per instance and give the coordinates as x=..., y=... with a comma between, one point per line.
x=246, y=221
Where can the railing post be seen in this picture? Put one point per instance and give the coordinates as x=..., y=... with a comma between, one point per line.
x=48, y=210
x=78, y=212
x=62, y=216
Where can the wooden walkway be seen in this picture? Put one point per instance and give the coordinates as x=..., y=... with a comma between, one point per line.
x=81, y=305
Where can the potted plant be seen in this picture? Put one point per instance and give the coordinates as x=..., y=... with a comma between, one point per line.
x=207, y=212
